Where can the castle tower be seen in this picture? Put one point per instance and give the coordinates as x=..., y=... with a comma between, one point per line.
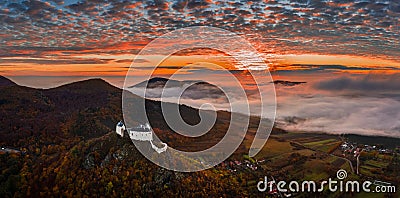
x=120, y=128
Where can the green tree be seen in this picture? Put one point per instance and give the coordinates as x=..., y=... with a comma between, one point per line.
x=109, y=188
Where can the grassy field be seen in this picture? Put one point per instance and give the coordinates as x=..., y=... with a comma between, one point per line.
x=307, y=161
x=376, y=164
x=274, y=148
x=316, y=157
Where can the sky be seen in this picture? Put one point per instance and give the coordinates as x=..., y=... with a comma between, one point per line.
x=347, y=52
x=96, y=37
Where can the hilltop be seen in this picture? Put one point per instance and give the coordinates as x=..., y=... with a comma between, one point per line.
x=6, y=82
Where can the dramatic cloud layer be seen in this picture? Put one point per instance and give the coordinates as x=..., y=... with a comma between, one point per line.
x=340, y=114
x=49, y=29
x=360, y=104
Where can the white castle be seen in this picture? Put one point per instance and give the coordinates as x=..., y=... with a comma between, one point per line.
x=142, y=132
x=120, y=128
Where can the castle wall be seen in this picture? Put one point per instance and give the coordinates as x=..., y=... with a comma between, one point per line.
x=142, y=136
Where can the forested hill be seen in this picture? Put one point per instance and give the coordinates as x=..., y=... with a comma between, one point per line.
x=88, y=108
x=68, y=147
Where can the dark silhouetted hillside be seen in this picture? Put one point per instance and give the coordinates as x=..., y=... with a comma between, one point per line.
x=5, y=82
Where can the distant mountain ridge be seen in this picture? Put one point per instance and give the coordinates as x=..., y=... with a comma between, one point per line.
x=198, y=89
x=161, y=82
x=287, y=83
